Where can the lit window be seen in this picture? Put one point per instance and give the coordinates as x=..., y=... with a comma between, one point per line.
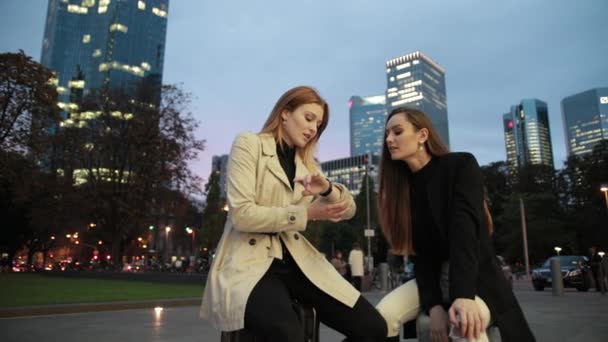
x=145, y=66
x=76, y=84
x=119, y=27
x=404, y=75
x=102, y=9
x=159, y=12
x=97, y=53
x=141, y=5
x=86, y=38
x=415, y=62
x=104, y=2
x=88, y=3
x=403, y=66
x=77, y=9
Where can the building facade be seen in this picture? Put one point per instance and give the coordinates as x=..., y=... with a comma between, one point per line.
x=414, y=80
x=111, y=44
x=527, y=135
x=351, y=171
x=219, y=164
x=367, y=116
x=585, y=119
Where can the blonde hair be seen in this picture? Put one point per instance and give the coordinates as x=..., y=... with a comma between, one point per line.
x=289, y=101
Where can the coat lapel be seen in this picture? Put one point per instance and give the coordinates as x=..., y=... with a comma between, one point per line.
x=301, y=170
x=269, y=148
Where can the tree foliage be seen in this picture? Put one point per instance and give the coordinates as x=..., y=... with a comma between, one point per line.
x=27, y=102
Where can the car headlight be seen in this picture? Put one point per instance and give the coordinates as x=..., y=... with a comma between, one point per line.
x=573, y=273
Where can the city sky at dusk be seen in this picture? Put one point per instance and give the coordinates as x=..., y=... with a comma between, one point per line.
x=238, y=57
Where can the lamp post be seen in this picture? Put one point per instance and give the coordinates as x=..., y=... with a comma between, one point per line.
x=524, y=228
x=369, y=232
x=190, y=231
x=557, y=249
x=167, y=231
x=604, y=189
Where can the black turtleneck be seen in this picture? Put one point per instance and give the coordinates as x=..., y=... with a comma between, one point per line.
x=424, y=234
x=287, y=158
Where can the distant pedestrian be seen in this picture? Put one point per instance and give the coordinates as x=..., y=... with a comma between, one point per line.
x=339, y=263
x=604, y=268
x=355, y=262
x=595, y=260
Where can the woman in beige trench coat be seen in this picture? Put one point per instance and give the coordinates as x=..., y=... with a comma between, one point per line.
x=263, y=261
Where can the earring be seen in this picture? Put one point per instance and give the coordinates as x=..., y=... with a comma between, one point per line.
x=420, y=146
x=284, y=121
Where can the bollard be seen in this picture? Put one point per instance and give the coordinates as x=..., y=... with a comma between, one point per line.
x=383, y=269
x=556, y=277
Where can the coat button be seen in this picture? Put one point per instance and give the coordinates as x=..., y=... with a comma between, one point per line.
x=252, y=242
x=296, y=236
x=292, y=218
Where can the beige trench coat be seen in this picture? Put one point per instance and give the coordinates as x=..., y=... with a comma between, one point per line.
x=262, y=201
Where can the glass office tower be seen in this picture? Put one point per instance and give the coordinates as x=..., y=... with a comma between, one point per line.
x=585, y=118
x=416, y=81
x=527, y=135
x=113, y=44
x=367, y=119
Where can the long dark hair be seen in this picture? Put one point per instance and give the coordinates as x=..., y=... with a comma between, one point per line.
x=394, y=192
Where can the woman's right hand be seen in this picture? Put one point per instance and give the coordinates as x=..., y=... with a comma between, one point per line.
x=439, y=324
x=321, y=210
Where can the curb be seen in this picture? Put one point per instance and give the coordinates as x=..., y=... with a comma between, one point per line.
x=94, y=307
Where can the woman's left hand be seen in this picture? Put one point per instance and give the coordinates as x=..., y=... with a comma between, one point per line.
x=470, y=322
x=313, y=183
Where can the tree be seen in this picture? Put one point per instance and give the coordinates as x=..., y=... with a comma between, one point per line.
x=214, y=215
x=127, y=156
x=27, y=101
x=547, y=227
x=579, y=185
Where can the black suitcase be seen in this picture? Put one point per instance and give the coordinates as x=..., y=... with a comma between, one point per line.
x=308, y=318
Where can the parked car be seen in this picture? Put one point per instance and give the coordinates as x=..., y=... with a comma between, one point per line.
x=574, y=270
x=506, y=269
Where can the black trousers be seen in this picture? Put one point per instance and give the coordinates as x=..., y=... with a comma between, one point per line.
x=269, y=313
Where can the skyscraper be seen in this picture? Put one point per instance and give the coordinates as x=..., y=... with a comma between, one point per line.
x=367, y=118
x=585, y=118
x=114, y=44
x=527, y=135
x=219, y=164
x=416, y=81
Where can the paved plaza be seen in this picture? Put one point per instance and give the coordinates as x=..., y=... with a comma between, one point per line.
x=574, y=317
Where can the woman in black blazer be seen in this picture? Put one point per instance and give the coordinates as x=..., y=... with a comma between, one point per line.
x=431, y=207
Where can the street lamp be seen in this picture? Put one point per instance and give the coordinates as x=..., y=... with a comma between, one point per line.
x=167, y=231
x=557, y=249
x=604, y=189
x=368, y=232
x=190, y=231
x=225, y=208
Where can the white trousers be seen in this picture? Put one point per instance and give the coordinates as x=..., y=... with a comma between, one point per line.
x=402, y=305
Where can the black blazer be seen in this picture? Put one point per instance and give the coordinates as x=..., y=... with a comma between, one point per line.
x=455, y=199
